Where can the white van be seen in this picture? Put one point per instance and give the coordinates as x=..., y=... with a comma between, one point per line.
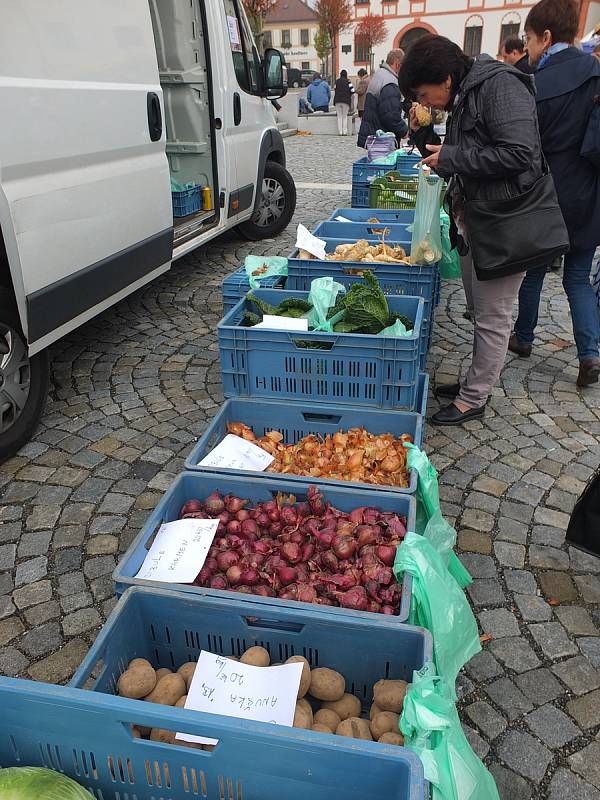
x=105, y=105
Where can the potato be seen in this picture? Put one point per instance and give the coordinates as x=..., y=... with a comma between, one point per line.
x=327, y=684
x=391, y=737
x=187, y=672
x=385, y=722
x=181, y=702
x=144, y=730
x=256, y=656
x=162, y=735
x=135, y=732
x=304, y=704
x=305, y=677
x=167, y=691
x=209, y=747
x=389, y=695
x=138, y=680
x=321, y=728
x=160, y=673
x=374, y=711
x=302, y=719
x=355, y=728
x=327, y=717
x=347, y=706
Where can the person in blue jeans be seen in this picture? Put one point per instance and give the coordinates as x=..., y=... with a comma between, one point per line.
x=567, y=81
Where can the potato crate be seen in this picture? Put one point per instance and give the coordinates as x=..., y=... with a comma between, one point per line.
x=200, y=485
x=388, y=216
x=296, y=420
x=344, y=368
x=237, y=285
x=351, y=231
x=252, y=759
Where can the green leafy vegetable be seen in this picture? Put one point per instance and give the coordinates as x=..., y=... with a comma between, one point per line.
x=251, y=319
x=29, y=783
x=264, y=308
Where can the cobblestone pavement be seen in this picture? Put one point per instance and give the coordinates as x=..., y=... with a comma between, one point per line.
x=135, y=387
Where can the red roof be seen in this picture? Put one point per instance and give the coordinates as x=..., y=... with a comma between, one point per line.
x=291, y=11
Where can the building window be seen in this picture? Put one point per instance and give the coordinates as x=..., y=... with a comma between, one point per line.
x=305, y=65
x=304, y=37
x=267, y=39
x=362, y=2
x=286, y=39
x=361, y=50
x=473, y=36
x=390, y=8
x=511, y=29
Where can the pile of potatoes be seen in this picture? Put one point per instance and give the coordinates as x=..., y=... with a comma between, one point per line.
x=322, y=705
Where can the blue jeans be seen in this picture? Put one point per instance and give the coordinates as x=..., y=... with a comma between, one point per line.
x=582, y=301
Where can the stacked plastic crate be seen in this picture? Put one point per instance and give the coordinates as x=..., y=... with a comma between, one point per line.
x=364, y=172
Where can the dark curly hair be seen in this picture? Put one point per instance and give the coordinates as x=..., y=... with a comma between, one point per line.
x=430, y=60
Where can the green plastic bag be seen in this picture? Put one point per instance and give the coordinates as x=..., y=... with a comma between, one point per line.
x=430, y=521
x=432, y=730
x=426, y=242
x=322, y=296
x=275, y=265
x=182, y=187
x=391, y=158
x=397, y=329
x=450, y=261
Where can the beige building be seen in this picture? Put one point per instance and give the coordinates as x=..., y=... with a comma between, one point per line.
x=291, y=26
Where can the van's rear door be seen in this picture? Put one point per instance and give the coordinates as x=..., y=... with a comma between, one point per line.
x=83, y=171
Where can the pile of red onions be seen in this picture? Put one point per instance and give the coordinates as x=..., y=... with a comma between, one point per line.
x=305, y=551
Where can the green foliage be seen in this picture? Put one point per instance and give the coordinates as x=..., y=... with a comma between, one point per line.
x=322, y=44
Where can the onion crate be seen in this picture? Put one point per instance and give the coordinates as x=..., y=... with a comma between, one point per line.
x=200, y=485
x=350, y=368
x=237, y=285
x=383, y=215
x=260, y=760
x=296, y=420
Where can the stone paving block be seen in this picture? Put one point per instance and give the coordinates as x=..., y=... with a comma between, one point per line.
x=34, y=544
x=510, y=785
x=479, y=566
x=510, y=555
x=585, y=710
x=40, y=641
x=577, y=621
x=475, y=542
x=522, y=753
x=498, y=623
x=8, y=554
x=82, y=621
x=38, y=615
x=509, y=530
x=553, y=640
x=489, y=722
x=31, y=571
x=509, y=698
x=10, y=628
x=32, y=594
x=566, y=785
x=548, y=557
x=486, y=592
x=586, y=763
x=483, y=666
x=12, y=661
x=590, y=647
x=583, y=562
x=548, y=536
x=477, y=520
x=539, y=685
x=558, y=586
x=589, y=587
x=61, y=665
x=480, y=747
x=552, y=726
x=520, y=581
x=578, y=674
x=515, y=653
x=533, y=608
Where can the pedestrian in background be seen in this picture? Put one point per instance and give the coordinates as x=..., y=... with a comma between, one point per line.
x=567, y=80
x=361, y=89
x=513, y=52
x=318, y=93
x=491, y=151
x=383, y=101
x=343, y=98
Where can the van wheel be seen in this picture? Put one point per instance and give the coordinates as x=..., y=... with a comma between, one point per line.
x=275, y=207
x=23, y=383
x=295, y=84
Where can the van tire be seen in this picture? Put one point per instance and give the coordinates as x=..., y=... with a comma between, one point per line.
x=19, y=432
x=274, y=175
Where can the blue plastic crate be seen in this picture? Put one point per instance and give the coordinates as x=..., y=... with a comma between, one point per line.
x=187, y=201
x=348, y=368
x=360, y=195
x=200, y=485
x=351, y=231
x=296, y=420
x=365, y=171
x=403, y=216
x=237, y=285
x=261, y=760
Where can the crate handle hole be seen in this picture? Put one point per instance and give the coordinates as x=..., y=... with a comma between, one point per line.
x=304, y=344
x=333, y=419
x=273, y=624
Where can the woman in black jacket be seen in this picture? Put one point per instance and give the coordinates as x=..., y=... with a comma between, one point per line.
x=567, y=81
x=343, y=100
x=492, y=144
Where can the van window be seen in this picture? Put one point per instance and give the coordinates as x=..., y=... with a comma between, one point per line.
x=246, y=60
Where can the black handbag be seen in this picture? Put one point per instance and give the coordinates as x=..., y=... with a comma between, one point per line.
x=590, y=147
x=584, y=526
x=517, y=233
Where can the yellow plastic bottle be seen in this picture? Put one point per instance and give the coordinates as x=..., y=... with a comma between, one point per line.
x=207, y=199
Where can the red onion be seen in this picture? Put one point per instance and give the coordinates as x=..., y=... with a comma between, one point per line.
x=297, y=537
x=242, y=515
x=289, y=593
x=190, y=507
x=274, y=516
x=387, y=610
x=234, y=504
x=343, y=546
x=303, y=509
x=214, y=504
x=227, y=559
x=203, y=576
x=218, y=581
x=324, y=539
x=262, y=520
x=343, y=582
x=234, y=527
x=373, y=606
x=249, y=529
x=224, y=517
x=270, y=506
x=329, y=561
x=387, y=554
x=275, y=528
x=262, y=547
x=263, y=591
x=355, y=598
x=286, y=575
x=306, y=593
x=234, y=575
x=372, y=589
x=367, y=534
x=371, y=516
x=249, y=577
x=396, y=526
x=289, y=516
x=302, y=572
x=308, y=550
x=195, y=515
x=291, y=552
x=356, y=516
x=346, y=528
x=324, y=601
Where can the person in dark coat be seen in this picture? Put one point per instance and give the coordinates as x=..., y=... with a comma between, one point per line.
x=567, y=81
x=493, y=146
x=513, y=52
x=383, y=102
x=343, y=100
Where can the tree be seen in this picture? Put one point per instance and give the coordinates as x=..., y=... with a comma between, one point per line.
x=257, y=10
x=372, y=31
x=322, y=46
x=335, y=16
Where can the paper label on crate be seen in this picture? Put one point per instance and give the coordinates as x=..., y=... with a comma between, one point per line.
x=233, y=689
x=282, y=323
x=339, y=218
x=306, y=241
x=233, y=452
x=178, y=552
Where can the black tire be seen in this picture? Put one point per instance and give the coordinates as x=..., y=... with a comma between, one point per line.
x=295, y=84
x=263, y=224
x=17, y=426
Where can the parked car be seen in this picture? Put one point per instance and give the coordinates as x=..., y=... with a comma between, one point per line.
x=294, y=77
x=306, y=76
x=89, y=145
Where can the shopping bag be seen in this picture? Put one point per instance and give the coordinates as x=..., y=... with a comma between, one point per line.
x=380, y=144
x=426, y=243
x=431, y=729
x=449, y=265
x=322, y=296
x=260, y=267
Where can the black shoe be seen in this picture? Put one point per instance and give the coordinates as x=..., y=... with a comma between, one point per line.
x=519, y=348
x=450, y=415
x=468, y=315
x=447, y=390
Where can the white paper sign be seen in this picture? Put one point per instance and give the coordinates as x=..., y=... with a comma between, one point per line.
x=178, y=552
x=234, y=33
x=233, y=689
x=236, y=453
x=306, y=241
x=282, y=323
x=339, y=218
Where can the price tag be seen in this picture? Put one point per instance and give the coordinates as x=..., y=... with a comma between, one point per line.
x=233, y=452
x=282, y=323
x=306, y=241
x=178, y=552
x=339, y=218
x=233, y=689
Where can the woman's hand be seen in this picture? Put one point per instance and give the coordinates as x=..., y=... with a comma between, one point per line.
x=432, y=160
x=412, y=118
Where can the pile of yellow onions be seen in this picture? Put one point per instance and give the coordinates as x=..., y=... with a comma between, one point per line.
x=355, y=455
